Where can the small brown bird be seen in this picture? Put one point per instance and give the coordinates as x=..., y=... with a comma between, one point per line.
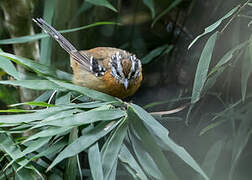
x=109, y=70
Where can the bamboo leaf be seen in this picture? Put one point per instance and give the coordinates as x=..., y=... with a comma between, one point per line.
x=170, y=7
x=161, y=136
x=8, y=67
x=131, y=165
x=32, y=103
x=246, y=69
x=45, y=44
x=240, y=141
x=202, y=68
x=112, y=148
x=25, y=39
x=70, y=171
x=210, y=162
x=214, y=25
x=83, y=90
x=152, y=160
x=156, y=52
x=84, y=118
x=94, y=158
x=103, y=3
x=150, y=5
x=33, y=84
x=37, y=67
x=83, y=142
x=49, y=132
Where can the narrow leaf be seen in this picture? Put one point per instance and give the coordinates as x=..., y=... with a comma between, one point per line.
x=24, y=39
x=45, y=44
x=246, y=69
x=83, y=142
x=161, y=135
x=48, y=132
x=83, y=90
x=152, y=160
x=103, y=3
x=71, y=163
x=33, y=84
x=130, y=164
x=37, y=67
x=150, y=5
x=156, y=52
x=210, y=162
x=202, y=68
x=170, y=7
x=31, y=103
x=94, y=158
x=85, y=118
x=8, y=67
x=214, y=25
x=112, y=148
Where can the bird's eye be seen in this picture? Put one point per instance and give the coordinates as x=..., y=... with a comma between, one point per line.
x=132, y=74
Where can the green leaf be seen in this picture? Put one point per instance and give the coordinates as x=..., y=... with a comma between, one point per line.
x=52, y=150
x=240, y=141
x=25, y=174
x=150, y=5
x=170, y=7
x=214, y=25
x=24, y=39
x=63, y=98
x=111, y=150
x=70, y=171
x=202, y=68
x=45, y=44
x=218, y=69
x=32, y=103
x=44, y=96
x=33, y=84
x=246, y=69
x=217, y=123
x=85, y=118
x=156, y=52
x=210, y=162
x=33, y=146
x=161, y=136
x=152, y=160
x=26, y=118
x=83, y=142
x=37, y=67
x=130, y=164
x=103, y=3
x=112, y=175
x=83, y=90
x=8, y=67
x=227, y=57
x=49, y=132
x=8, y=146
x=83, y=8
x=15, y=111
x=94, y=159
x=47, y=114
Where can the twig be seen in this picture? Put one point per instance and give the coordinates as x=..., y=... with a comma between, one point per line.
x=171, y=111
x=233, y=17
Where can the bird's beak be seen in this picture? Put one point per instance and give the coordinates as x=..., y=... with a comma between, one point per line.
x=126, y=83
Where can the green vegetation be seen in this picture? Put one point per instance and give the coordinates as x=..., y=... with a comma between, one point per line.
x=71, y=132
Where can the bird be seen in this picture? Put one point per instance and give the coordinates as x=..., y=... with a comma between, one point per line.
x=106, y=69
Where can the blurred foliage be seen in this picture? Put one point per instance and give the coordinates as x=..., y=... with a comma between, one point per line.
x=211, y=69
